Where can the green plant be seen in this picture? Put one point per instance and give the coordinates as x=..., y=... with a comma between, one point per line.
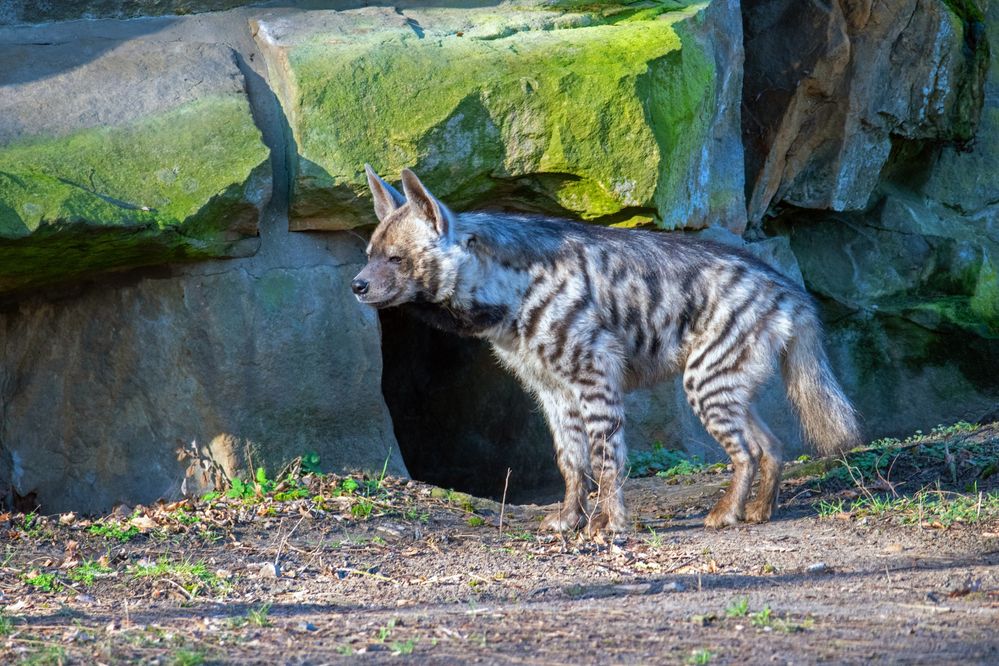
x=114, y=531
x=826, y=508
x=310, y=463
x=386, y=631
x=87, y=571
x=415, y=513
x=48, y=654
x=191, y=576
x=46, y=582
x=738, y=607
x=403, y=647
x=185, y=657
x=700, y=657
x=763, y=618
x=184, y=517
x=6, y=624
x=655, y=539
x=362, y=509
x=258, y=616
x=31, y=525
x=476, y=521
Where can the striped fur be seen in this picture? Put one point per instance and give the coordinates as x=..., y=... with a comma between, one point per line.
x=581, y=314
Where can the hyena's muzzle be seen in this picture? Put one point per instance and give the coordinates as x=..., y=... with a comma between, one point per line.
x=381, y=284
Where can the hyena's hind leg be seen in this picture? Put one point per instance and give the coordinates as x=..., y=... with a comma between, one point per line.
x=764, y=504
x=571, y=452
x=720, y=391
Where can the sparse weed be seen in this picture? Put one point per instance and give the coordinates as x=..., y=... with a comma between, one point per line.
x=738, y=607
x=87, y=571
x=185, y=657
x=476, y=521
x=403, y=647
x=386, y=631
x=112, y=531
x=362, y=509
x=936, y=508
x=700, y=657
x=763, y=618
x=258, y=616
x=44, y=656
x=45, y=582
x=6, y=624
x=192, y=577
x=32, y=526
x=310, y=463
x=655, y=539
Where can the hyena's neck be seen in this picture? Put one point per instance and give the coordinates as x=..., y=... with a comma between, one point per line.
x=487, y=299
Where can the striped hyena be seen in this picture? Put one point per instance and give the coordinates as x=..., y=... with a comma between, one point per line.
x=581, y=314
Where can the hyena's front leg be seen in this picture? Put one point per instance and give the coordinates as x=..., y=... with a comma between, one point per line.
x=571, y=453
x=603, y=413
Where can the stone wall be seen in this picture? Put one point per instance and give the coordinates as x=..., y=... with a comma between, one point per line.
x=182, y=205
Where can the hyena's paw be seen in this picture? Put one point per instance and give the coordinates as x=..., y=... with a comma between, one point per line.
x=723, y=515
x=759, y=512
x=563, y=521
x=607, y=523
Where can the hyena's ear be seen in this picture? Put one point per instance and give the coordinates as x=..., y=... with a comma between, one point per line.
x=425, y=203
x=386, y=197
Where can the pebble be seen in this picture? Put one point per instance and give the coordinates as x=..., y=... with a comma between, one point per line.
x=268, y=570
x=818, y=567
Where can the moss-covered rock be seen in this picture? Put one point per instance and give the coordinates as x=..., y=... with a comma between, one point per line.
x=90, y=189
x=907, y=258
x=605, y=114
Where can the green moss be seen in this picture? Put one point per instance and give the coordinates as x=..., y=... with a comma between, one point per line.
x=946, y=313
x=177, y=185
x=985, y=301
x=579, y=106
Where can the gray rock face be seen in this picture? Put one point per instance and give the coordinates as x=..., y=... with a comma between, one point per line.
x=829, y=85
x=124, y=392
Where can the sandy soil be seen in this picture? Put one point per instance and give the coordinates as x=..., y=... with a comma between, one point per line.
x=428, y=576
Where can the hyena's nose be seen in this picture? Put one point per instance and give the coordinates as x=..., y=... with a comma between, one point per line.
x=359, y=286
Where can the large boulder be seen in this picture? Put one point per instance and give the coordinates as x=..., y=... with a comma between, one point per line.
x=13, y=12
x=830, y=87
x=164, y=385
x=112, y=158
x=620, y=114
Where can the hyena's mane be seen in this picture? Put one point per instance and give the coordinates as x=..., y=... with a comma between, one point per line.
x=516, y=241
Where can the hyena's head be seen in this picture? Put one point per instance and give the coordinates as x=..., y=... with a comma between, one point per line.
x=411, y=255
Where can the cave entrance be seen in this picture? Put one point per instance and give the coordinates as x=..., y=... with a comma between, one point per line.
x=460, y=419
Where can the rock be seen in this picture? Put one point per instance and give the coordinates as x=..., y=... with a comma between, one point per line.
x=907, y=257
x=608, y=114
x=111, y=158
x=135, y=390
x=817, y=567
x=13, y=12
x=830, y=86
x=966, y=178
x=268, y=570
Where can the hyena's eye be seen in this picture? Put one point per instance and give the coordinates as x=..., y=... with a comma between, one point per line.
x=395, y=260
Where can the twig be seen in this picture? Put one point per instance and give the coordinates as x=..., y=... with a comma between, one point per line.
x=506, y=484
x=190, y=597
x=277, y=557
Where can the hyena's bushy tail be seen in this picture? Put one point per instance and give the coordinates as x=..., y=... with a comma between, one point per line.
x=829, y=420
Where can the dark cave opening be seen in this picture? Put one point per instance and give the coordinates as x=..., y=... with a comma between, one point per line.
x=460, y=419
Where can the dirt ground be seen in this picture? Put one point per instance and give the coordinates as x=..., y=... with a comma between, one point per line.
x=328, y=569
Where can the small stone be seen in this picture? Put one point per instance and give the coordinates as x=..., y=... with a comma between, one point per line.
x=269, y=570
x=818, y=567
x=306, y=626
